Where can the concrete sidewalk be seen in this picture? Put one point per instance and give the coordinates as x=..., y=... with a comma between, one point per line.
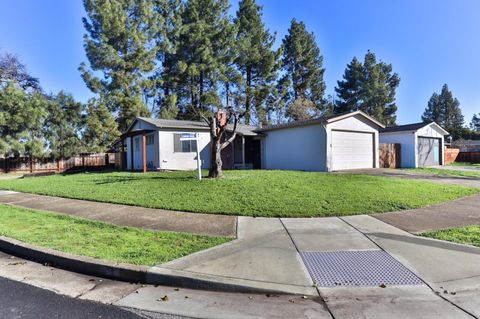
x=268, y=252
x=457, y=213
x=267, y=255
x=134, y=216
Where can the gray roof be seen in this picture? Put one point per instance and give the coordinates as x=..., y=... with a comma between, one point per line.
x=318, y=120
x=247, y=130
x=407, y=127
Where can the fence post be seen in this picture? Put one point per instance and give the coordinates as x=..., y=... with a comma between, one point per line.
x=31, y=164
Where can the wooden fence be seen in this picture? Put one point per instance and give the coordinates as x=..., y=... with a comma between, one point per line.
x=450, y=155
x=389, y=155
x=468, y=157
x=32, y=165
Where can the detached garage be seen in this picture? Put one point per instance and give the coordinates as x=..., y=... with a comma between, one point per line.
x=421, y=144
x=346, y=141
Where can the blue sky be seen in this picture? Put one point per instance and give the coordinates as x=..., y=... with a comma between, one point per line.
x=428, y=42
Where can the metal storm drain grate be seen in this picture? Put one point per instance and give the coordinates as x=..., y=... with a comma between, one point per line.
x=357, y=268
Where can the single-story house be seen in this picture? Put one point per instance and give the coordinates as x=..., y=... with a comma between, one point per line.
x=329, y=143
x=159, y=142
x=421, y=144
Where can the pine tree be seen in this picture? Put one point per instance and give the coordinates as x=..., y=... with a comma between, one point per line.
x=349, y=90
x=369, y=87
x=101, y=129
x=256, y=59
x=63, y=125
x=121, y=44
x=475, y=123
x=22, y=116
x=445, y=110
x=433, y=112
x=204, y=54
x=451, y=113
x=167, y=41
x=303, y=66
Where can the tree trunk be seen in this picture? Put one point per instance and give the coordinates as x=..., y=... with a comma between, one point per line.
x=216, y=159
x=248, y=96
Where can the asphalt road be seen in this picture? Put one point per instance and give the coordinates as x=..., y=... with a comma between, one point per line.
x=22, y=301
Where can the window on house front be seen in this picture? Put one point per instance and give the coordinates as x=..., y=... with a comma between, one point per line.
x=183, y=146
x=149, y=139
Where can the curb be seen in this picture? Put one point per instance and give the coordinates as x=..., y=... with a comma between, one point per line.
x=142, y=274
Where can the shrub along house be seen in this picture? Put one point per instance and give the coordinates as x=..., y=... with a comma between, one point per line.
x=157, y=145
x=421, y=144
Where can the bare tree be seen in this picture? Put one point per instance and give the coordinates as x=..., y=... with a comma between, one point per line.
x=221, y=136
x=13, y=70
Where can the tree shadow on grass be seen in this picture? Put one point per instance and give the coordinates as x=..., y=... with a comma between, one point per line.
x=126, y=179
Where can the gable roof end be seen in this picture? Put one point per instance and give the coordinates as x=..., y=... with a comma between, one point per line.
x=322, y=120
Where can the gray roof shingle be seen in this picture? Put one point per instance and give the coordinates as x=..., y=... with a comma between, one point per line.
x=247, y=130
x=407, y=127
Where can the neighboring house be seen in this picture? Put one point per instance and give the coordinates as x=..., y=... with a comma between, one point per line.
x=422, y=144
x=164, y=149
x=339, y=142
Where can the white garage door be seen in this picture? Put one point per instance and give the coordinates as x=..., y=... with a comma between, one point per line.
x=352, y=150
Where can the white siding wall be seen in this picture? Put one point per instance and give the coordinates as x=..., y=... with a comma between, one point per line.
x=408, y=142
x=355, y=123
x=296, y=148
x=182, y=161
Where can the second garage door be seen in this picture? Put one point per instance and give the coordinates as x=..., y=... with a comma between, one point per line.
x=351, y=150
x=428, y=151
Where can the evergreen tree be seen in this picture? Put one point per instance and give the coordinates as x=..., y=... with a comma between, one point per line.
x=166, y=76
x=445, y=110
x=433, y=112
x=204, y=54
x=303, y=66
x=475, y=123
x=63, y=125
x=256, y=59
x=121, y=45
x=349, y=90
x=451, y=113
x=101, y=129
x=22, y=116
x=369, y=87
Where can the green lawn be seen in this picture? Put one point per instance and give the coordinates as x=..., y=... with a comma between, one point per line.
x=469, y=235
x=250, y=193
x=447, y=172
x=99, y=240
x=464, y=164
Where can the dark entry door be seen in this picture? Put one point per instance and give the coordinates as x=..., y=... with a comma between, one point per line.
x=428, y=151
x=257, y=154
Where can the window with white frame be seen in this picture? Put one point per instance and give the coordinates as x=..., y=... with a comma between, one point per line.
x=180, y=146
